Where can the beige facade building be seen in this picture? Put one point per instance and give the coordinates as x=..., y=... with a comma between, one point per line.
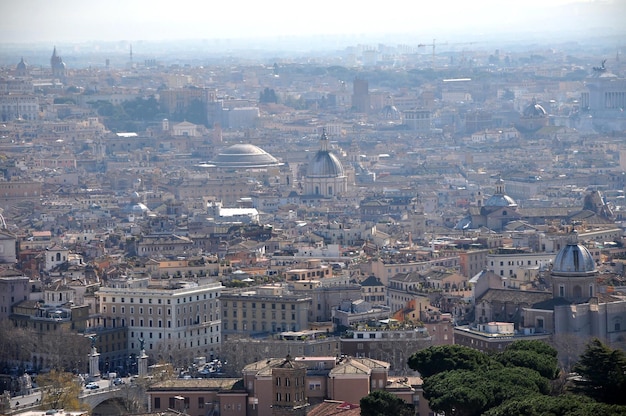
x=265, y=309
x=175, y=320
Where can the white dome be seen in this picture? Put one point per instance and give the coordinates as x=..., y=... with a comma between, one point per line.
x=244, y=156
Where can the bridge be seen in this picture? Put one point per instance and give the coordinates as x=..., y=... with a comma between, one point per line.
x=92, y=398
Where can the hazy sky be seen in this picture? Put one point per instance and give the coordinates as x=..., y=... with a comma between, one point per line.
x=83, y=20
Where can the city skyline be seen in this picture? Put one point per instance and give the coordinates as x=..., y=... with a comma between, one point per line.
x=76, y=21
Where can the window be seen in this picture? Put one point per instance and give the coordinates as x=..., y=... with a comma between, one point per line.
x=157, y=402
x=200, y=402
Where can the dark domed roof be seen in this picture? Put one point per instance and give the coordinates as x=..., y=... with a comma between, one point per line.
x=535, y=110
x=22, y=65
x=244, y=156
x=325, y=165
x=500, y=200
x=574, y=259
x=390, y=112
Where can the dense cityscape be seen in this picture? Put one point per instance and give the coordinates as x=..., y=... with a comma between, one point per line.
x=191, y=231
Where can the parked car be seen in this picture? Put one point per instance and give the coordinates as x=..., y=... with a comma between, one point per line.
x=118, y=381
x=92, y=386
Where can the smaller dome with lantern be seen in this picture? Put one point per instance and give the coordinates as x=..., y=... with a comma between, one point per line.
x=573, y=259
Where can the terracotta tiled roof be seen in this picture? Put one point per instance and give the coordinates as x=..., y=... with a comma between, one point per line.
x=333, y=407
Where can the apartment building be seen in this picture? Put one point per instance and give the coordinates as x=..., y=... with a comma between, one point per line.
x=264, y=309
x=326, y=295
x=13, y=289
x=520, y=267
x=384, y=270
x=175, y=318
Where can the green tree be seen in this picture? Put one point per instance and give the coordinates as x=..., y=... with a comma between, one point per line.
x=546, y=365
x=433, y=360
x=383, y=403
x=142, y=109
x=60, y=391
x=196, y=113
x=539, y=347
x=268, y=95
x=565, y=405
x=472, y=392
x=602, y=373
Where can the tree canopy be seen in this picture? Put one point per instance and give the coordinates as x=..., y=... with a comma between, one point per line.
x=60, y=391
x=460, y=381
x=383, y=403
x=565, y=405
x=472, y=392
x=601, y=373
x=440, y=358
x=541, y=360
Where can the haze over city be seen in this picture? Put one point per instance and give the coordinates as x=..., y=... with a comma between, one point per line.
x=80, y=21
x=281, y=208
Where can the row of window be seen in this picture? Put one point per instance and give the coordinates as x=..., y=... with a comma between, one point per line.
x=287, y=397
x=141, y=322
x=245, y=315
x=253, y=305
x=264, y=327
x=132, y=300
x=298, y=381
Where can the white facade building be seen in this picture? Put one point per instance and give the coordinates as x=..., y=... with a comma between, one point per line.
x=174, y=319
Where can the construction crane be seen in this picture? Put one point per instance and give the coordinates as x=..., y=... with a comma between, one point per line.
x=434, y=44
x=423, y=45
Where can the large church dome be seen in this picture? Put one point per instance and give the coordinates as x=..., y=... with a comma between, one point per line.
x=325, y=176
x=499, y=200
x=573, y=259
x=535, y=110
x=245, y=156
x=324, y=163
